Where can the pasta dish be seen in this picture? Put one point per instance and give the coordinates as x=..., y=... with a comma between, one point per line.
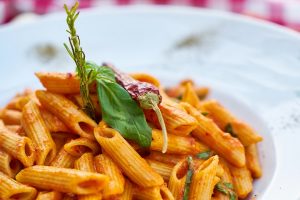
x=102, y=134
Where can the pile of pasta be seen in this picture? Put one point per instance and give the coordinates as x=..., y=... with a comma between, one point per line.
x=51, y=150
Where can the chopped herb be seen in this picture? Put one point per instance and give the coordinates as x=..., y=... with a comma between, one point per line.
x=179, y=97
x=229, y=129
x=227, y=189
x=77, y=54
x=188, y=180
x=220, y=187
x=204, y=155
x=228, y=185
x=232, y=195
x=204, y=113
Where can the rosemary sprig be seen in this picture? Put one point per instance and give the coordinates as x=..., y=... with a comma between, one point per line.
x=77, y=54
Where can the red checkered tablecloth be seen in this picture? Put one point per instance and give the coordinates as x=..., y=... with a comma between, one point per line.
x=284, y=12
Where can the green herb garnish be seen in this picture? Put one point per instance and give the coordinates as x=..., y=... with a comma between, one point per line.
x=229, y=129
x=188, y=180
x=204, y=113
x=77, y=54
x=227, y=189
x=118, y=109
x=204, y=155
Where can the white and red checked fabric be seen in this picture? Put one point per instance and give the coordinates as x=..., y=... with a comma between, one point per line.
x=283, y=12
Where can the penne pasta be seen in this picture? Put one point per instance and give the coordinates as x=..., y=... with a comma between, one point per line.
x=106, y=166
x=9, y=165
x=62, y=179
x=204, y=180
x=176, y=144
x=157, y=193
x=171, y=159
x=61, y=83
x=19, y=147
x=16, y=129
x=178, y=179
x=11, y=189
x=162, y=169
x=127, y=158
x=53, y=195
x=79, y=146
x=225, y=178
x=128, y=191
x=223, y=118
x=190, y=96
x=74, y=118
x=242, y=180
x=145, y=78
x=63, y=159
x=223, y=143
x=86, y=163
x=36, y=130
x=252, y=161
x=177, y=121
x=10, y=117
x=52, y=122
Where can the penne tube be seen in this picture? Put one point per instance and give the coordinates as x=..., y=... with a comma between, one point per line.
x=14, y=128
x=79, y=146
x=223, y=118
x=178, y=179
x=127, y=158
x=146, y=78
x=252, y=161
x=225, y=178
x=107, y=166
x=20, y=147
x=36, y=130
x=204, y=180
x=128, y=191
x=52, y=122
x=11, y=189
x=9, y=165
x=222, y=143
x=157, y=193
x=53, y=195
x=177, y=121
x=10, y=117
x=74, y=118
x=62, y=179
x=62, y=83
x=86, y=163
x=171, y=159
x=162, y=169
x=18, y=103
x=190, y=96
x=176, y=144
x=242, y=181
x=63, y=159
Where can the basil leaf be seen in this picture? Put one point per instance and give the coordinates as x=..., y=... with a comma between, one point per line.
x=229, y=129
x=204, y=155
x=120, y=111
x=188, y=180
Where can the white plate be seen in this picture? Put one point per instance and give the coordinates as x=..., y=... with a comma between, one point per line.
x=252, y=66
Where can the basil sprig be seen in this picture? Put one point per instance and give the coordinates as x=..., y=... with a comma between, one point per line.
x=118, y=109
